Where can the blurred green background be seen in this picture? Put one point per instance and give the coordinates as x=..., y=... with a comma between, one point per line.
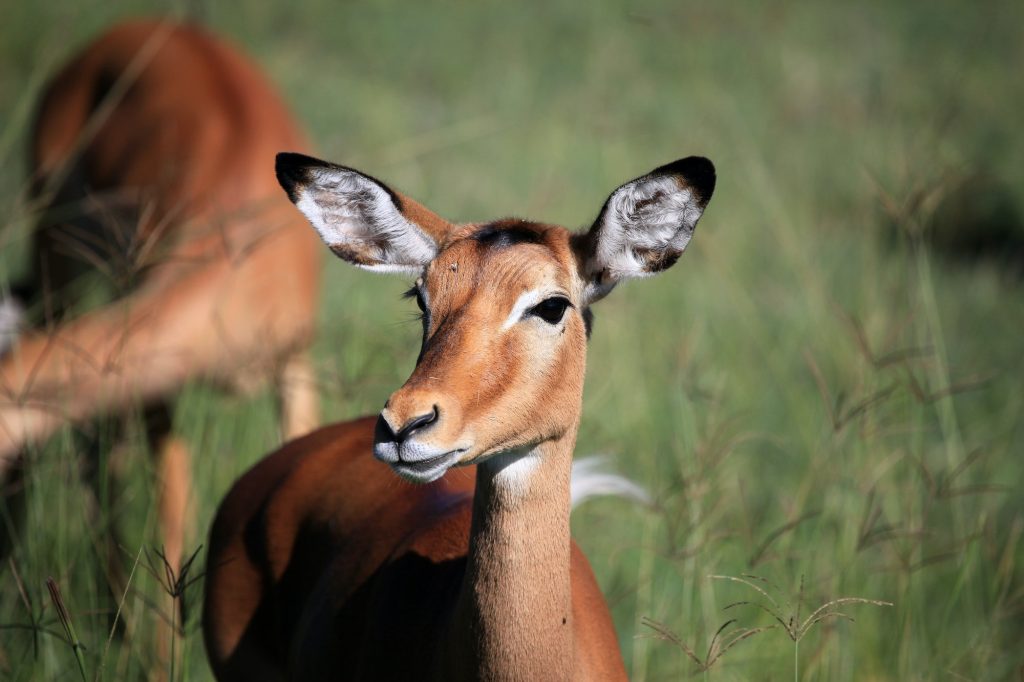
x=825, y=393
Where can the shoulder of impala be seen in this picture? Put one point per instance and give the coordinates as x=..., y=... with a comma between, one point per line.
x=454, y=561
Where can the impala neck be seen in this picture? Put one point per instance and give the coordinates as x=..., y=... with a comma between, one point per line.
x=514, y=618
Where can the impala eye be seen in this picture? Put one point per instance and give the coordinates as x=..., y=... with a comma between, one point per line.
x=551, y=310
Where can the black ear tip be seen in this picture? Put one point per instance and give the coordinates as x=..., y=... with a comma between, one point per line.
x=292, y=170
x=696, y=171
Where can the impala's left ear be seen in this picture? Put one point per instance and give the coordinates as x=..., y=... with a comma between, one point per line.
x=645, y=225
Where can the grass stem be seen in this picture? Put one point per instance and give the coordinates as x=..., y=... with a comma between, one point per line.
x=69, y=626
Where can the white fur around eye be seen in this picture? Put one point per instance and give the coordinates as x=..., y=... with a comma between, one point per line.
x=351, y=211
x=525, y=301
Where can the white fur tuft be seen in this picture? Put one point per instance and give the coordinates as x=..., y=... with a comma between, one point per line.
x=12, y=318
x=513, y=470
x=591, y=478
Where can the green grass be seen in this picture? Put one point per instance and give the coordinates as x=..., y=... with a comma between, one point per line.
x=812, y=395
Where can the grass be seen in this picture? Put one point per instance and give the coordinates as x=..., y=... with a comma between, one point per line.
x=812, y=394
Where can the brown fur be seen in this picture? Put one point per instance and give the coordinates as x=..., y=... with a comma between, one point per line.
x=153, y=149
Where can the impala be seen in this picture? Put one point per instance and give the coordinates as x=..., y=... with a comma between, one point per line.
x=150, y=158
x=324, y=565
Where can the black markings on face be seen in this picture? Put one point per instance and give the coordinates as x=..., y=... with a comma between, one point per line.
x=505, y=233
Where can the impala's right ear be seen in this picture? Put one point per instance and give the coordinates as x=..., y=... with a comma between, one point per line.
x=358, y=217
x=645, y=225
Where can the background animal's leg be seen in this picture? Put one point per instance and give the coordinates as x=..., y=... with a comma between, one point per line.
x=298, y=401
x=176, y=526
x=173, y=484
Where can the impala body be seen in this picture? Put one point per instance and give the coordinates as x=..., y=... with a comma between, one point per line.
x=151, y=163
x=454, y=561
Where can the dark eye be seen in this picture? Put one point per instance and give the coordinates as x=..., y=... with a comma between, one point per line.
x=551, y=310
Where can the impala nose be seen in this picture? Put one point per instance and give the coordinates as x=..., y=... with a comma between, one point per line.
x=385, y=433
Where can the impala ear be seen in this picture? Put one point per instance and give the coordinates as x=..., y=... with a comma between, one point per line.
x=645, y=225
x=358, y=217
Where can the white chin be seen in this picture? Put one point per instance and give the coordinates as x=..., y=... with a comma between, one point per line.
x=425, y=470
x=419, y=477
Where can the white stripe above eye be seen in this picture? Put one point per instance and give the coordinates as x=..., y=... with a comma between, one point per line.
x=523, y=303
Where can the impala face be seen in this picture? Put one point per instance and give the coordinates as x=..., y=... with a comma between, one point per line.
x=501, y=367
x=504, y=303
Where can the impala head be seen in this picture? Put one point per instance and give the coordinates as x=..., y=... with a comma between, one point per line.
x=505, y=303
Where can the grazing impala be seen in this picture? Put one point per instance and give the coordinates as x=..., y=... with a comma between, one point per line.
x=323, y=565
x=150, y=155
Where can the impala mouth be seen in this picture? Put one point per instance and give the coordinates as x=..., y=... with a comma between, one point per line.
x=415, y=463
x=426, y=470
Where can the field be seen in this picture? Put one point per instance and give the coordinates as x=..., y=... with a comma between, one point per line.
x=825, y=393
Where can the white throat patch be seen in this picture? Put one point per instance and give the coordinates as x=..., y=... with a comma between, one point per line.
x=513, y=470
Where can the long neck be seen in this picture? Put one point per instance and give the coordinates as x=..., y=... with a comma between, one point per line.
x=514, y=615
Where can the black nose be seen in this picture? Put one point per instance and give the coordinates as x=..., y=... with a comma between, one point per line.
x=384, y=433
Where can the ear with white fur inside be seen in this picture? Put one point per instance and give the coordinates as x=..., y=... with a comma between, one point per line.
x=359, y=218
x=645, y=225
